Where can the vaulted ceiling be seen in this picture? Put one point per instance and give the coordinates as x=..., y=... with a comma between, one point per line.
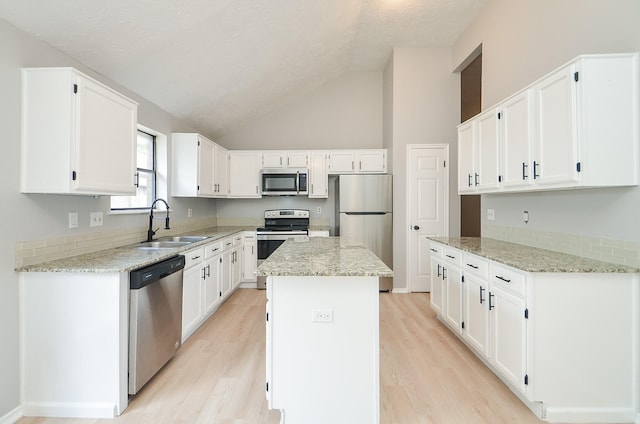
x=217, y=63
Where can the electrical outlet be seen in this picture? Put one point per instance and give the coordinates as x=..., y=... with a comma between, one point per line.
x=491, y=214
x=73, y=219
x=525, y=217
x=95, y=219
x=321, y=315
x=319, y=210
x=189, y=213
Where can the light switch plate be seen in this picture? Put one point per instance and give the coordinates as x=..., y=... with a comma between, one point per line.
x=73, y=219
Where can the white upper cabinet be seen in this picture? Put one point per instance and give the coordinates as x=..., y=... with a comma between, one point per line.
x=467, y=156
x=358, y=161
x=478, y=153
x=576, y=127
x=244, y=173
x=78, y=135
x=221, y=172
x=297, y=159
x=199, y=166
x=516, y=131
x=272, y=159
x=318, y=176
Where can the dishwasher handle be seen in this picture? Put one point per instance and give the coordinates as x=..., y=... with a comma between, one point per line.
x=152, y=273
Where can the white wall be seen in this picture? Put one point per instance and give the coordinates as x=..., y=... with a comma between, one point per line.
x=523, y=40
x=37, y=217
x=344, y=113
x=425, y=109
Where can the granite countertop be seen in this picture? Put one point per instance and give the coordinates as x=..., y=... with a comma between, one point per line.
x=531, y=259
x=323, y=256
x=128, y=258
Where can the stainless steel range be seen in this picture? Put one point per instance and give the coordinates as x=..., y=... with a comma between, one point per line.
x=279, y=225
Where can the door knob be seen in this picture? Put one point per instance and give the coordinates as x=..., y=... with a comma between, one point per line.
x=415, y=227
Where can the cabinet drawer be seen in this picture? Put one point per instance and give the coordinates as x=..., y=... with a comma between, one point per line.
x=227, y=243
x=212, y=249
x=193, y=257
x=436, y=249
x=508, y=278
x=475, y=265
x=453, y=256
x=237, y=239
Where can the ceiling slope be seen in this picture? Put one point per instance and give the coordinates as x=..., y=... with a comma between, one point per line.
x=217, y=63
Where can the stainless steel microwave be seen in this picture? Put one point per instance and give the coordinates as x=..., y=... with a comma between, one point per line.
x=284, y=182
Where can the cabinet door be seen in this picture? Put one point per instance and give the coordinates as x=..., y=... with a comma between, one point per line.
x=556, y=156
x=273, y=159
x=205, y=167
x=437, y=286
x=517, y=139
x=297, y=159
x=226, y=275
x=319, y=178
x=244, y=174
x=106, y=140
x=211, y=293
x=453, y=296
x=249, y=261
x=508, y=335
x=466, y=157
x=192, y=312
x=342, y=162
x=236, y=264
x=220, y=185
x=476, y=313
x=371, y=161
x=488, y=151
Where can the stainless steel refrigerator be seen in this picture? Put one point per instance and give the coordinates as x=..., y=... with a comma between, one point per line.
x=364, y=212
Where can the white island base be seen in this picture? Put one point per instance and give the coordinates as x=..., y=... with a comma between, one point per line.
x=323, y=349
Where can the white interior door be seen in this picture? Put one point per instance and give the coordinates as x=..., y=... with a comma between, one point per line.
x=428, y=206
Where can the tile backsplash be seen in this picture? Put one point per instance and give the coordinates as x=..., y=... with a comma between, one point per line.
x=38, y=251
x=604, y=249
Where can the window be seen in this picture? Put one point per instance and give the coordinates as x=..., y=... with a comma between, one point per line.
x=145, y=176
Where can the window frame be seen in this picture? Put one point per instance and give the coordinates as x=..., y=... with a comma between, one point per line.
x=153, y=172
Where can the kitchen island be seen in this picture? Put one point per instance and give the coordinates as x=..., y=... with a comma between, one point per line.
x=323, y=331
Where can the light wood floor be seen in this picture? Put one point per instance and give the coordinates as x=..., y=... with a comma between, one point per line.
x=426, y=374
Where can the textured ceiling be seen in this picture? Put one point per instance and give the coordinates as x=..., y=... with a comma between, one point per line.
x=217, y=63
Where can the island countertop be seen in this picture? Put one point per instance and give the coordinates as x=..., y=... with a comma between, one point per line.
x=324, y=256
x=530, y=259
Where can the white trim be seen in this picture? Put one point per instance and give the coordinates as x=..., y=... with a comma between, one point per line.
x=400, y=290
x=410, y=147
x=12, y=416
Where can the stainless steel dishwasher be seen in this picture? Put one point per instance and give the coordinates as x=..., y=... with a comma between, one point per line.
x=155, y=319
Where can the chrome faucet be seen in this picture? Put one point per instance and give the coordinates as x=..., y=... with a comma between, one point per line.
x=151, y=232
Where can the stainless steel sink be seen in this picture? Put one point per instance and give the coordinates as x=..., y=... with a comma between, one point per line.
x=163, y=244
x=186, y=239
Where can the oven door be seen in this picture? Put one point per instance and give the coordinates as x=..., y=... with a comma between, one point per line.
x=268, y=244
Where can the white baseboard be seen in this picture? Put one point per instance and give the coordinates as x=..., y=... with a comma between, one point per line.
x=400, y=290
x=70, y=410
x=591, y=415
x=12, y=416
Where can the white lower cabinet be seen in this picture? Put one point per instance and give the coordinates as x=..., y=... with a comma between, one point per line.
x=452, y=275
x=476, y=303
x=192, y=281
x=211, y=274
x=249, y=257
x=550, y=336
x=437, y=279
